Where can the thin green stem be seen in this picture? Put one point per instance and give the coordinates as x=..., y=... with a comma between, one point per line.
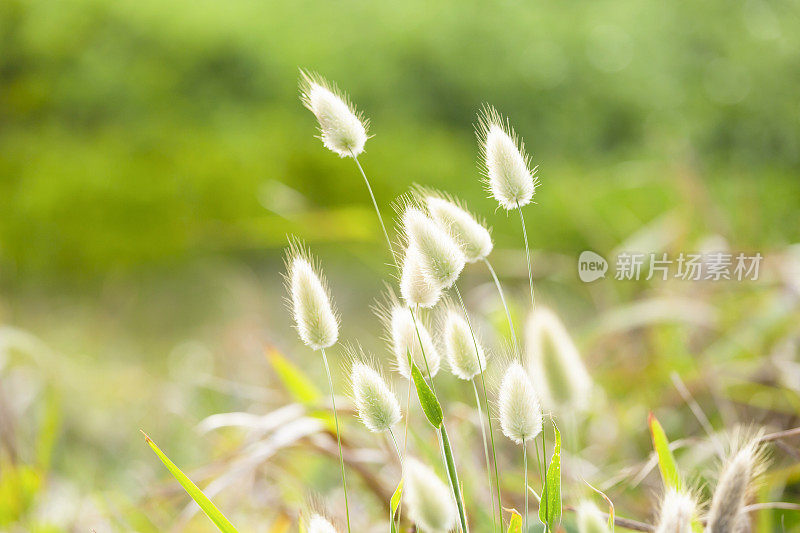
x=485, y=450
x=377, y=211
x=541, y=470
x=396, y=447
x=486, y=404
x=528, y=256
x=400, y=457
x=338, y=437
x=525, y=487
x=545, y=497
x=453, y=475
x=422, y=349
x=505, y=305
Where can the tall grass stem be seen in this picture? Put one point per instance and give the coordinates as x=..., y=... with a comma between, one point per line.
x=338, y=437
x=377, y=211
x=485, y=451
x=527, y=255
x=486, y=404
x=525, y=486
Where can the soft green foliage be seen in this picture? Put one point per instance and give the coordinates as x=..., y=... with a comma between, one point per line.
x=138, y=133
x=193, y=491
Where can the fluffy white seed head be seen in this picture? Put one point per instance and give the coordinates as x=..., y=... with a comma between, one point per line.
x=314, y=317
x=319, y=524
x=465, y=362
x=428, y=499
x=375, y=402
x=473, y=237
x=590, y=519
x=506, y=166
x=342, y=129
x=415, y=289
x=441, y=259
x=676, y=512
x=557, y=369
x=735, y=482
x=404, y=339
x=520, y=411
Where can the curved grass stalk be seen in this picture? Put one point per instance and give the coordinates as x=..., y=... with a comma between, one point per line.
x=527, y=255
x=488, y=413
x=377, y=211
x=338, y=437
x=505, y=305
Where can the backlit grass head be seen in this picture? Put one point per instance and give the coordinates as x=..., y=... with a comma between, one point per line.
x=506, y=166
x=465, y=362
x=342, y=129
x=676, y=512
x=520, y=410
x=415, y=288
x=375, y=402
x=319, y=524
x=309, y=298
x=746, y=461
x=464, y=227
x=429, y=501
x=404, y=337
x=441, y=258
x=557, y=369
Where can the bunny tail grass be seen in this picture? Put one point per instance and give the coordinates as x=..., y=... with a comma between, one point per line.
x=338, y=438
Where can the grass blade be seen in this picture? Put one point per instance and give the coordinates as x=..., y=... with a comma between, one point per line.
x=296, y=382
x=550, y=506
x=196, y=494
x=427, y=399
x=666, y=461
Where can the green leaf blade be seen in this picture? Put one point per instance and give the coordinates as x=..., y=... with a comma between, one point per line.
x=294, y=379
x=550, y=506
x=666, y=461
x=394, y=503
x=427, y=399
x=193, y=491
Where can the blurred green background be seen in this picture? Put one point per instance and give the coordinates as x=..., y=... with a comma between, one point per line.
x=154, y=156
